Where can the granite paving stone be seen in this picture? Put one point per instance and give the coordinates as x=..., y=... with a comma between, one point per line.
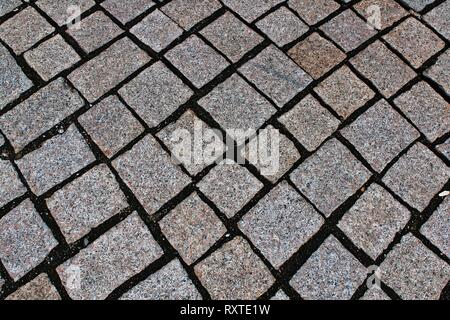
x=375, y=295
x=125, y=14
x=40, y=288
x=437, y=228
x=281, y=223
x=417, y=5
x=438, y=19
x=330, y=176
x=7, y=6
x=313, y=11
x=13, y=82
x=380, y=134
x=39, y=113
x=374, y=220
x=280, y=296
x=390, y=12
x=111, y=125
x=310, y=122
x=24, y=29
x=95, y=31
x=59, y=158
x=193, y=142
x=234, y=104
x=440, y=72
x=413, y=271
x=231, y=36
x=192, y=228
x=61, y=11
x=426, y=109
x=416, y=42
x=86, y=203
x=157, y=30
x=230, y=186
x=187, y=13
x=155, y=93
x=276, y=75
x=14, y=188
x=51, y=57
x=120, y=253
x=316, y=55
x=101, y=74
x=234, y=272
x=249, y=10
x=383, y=68
x=25, y=240
x=331, y=273
x=410, y=179
x=170, y=283
x=344, y=92
x=282, y=26
x=444, y=148
x=348, y=30
x=197, y=61
x=150, y=174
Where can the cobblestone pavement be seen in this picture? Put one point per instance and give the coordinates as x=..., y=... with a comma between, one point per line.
x=92, y=205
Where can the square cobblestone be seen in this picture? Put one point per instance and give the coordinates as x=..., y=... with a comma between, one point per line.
x=344, y=92
x=95, y=31
x=7, y=6
x=155, y=94
x=331, y=273
x=169, y=283
x=281, y=223
x=316, y=55
x=234, y=104
x=438, y=19
x=288, y=155
x=51, y=57
x=157, y=30
x=249, y=10
x=39, y=113
x=310, y=122
x=14, y=188
x=24, y=29
x=426, y=109
x=374, y=220
x=189, y=128
x=127, y=13
x=230, y=187
x=13, y=82
x=313, y=11
x=149, y=173
x=390, y=12
x=383, y=68
x=380, y=134
x=111, y=125
x=120, y=253
x=375, y=295
x=330, y=176
x=234, y=272
x=436, y=229
x=231, y=36
x=86, y=203
x=444, y=148
x=38, y=289
x=418, y=5
x=60, y=11
x=192, y=228
x=99, y=75
x=25, y=240
x=348, y=30
x=440, y=72
x=197, y=61
x=416, y=42
x=282, y=26
x=410, y=176
x=276, y=75
x=57, y=159
x=187, y=13
x=414, y=272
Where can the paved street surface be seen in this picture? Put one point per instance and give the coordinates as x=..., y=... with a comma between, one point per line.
x=96, y=202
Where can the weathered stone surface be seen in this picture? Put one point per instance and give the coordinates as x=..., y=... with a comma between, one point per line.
x=187, y=13
x=61, y=11
x=438, y=19
x=127, y=13
x=40, y=288
x=12, y=187
x=437, y=227
x=440, y=72
x=390, y=12
x=313, y=11
x=249, y=10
